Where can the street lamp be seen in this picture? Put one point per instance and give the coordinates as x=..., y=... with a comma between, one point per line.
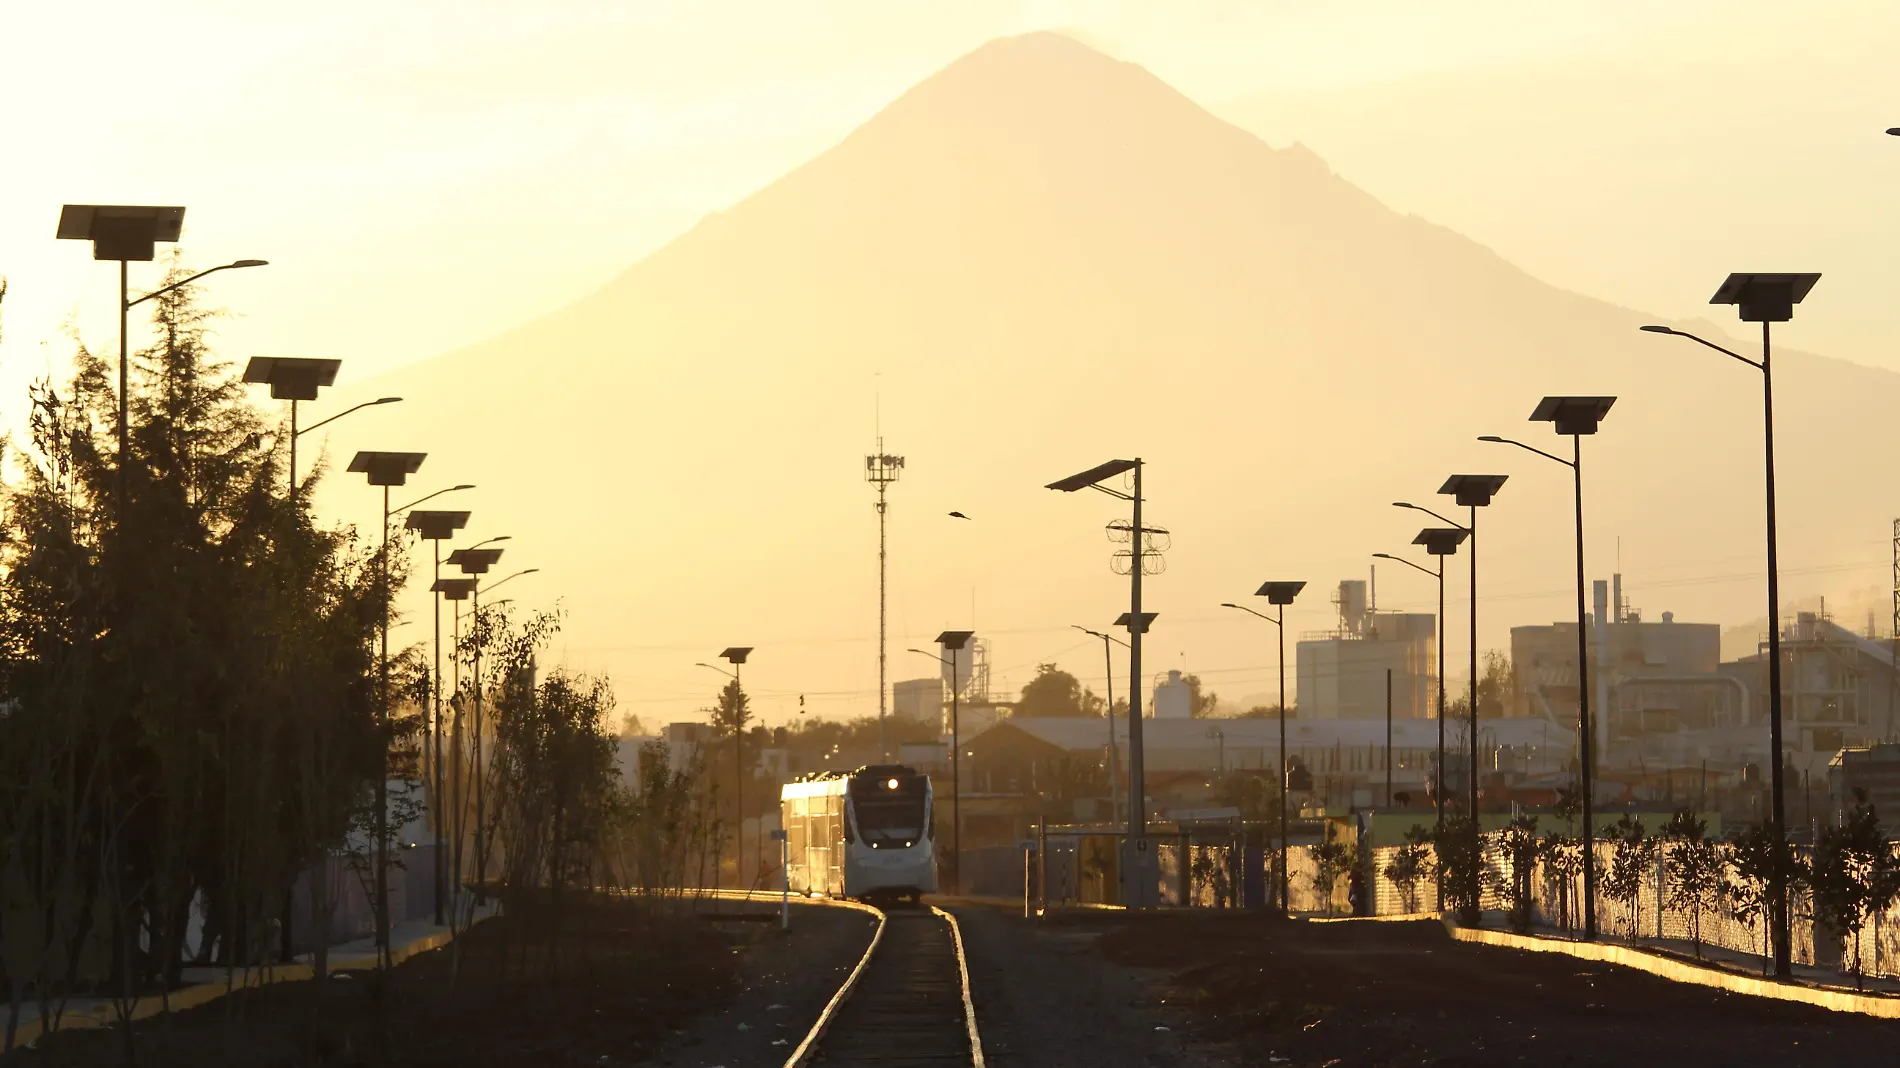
x=1766, y=299
x=1114, y=769
x=1577, y=416
x=1279, y=594
x=1139, y=870
x=127, y=232
x=384, y=469
x=475, y=561
x=1475, y=492
x=952, y=641
x=736, y=656
x=1446, y=539
x=296, y=379
x=434, y=527
x=456, y=590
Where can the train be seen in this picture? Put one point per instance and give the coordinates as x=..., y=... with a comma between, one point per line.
x=863, y=834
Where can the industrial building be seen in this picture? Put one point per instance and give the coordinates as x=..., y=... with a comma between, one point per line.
x=919, y=701
x=1343, y=673
x=1838, y=690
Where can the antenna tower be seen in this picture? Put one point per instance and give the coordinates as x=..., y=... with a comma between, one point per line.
x=881, y=469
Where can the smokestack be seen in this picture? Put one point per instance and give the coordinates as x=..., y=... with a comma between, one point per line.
x=1600, y=591
x=1616, y=595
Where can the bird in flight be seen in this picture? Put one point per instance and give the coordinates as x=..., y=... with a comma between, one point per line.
x=958, y=515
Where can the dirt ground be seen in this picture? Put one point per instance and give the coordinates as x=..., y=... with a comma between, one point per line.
x=1045, y=998
x=784, y=983
x=622, y=978
x=1259, y=991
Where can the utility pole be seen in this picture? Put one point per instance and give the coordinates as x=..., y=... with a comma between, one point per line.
x=881, y=470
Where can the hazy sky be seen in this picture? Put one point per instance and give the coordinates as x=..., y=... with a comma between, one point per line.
x=426, y=174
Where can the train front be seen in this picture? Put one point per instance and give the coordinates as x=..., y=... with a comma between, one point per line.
x=891, y=852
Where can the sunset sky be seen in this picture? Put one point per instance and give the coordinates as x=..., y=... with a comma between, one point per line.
x=426, y=175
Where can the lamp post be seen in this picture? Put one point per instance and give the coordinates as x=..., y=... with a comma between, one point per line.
x=1767, y=299
x=952, y=641
x=736, y=656
x=1445, y=539
x=456, y=590
x=1473, y=491
x=126, y=232
x=384, y=469
x=1139, y=870
x=435, y=527
x=1279, y=594
x=1108, y=669
x=476, y=561
x=1577, y=416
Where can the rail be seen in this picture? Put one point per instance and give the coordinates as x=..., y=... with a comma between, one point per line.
x=891, y=1018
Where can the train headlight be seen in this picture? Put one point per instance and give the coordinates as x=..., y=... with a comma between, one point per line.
x=890, y=784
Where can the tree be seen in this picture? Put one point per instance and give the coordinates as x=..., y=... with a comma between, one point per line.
x=1202, y=703
x=1521, y=848
x=1496, y=684
x=1757, y=856
x=1698, y=875
x=1054, y=692
x=1460, y=864
x=1853, y=875
x=1332, y=858
x=1630, y=862
x=1411, y=864
x=186, y=664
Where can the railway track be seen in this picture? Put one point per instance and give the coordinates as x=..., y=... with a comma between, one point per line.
x=906, y=1004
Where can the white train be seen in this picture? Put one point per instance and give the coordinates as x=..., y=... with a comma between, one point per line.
x=861, y=834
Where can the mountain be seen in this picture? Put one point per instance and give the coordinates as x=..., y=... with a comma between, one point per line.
x=1035, y=260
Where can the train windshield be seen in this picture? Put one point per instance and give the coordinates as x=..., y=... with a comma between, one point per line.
x=890, y=806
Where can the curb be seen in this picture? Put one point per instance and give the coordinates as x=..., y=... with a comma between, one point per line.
x=1683, y=972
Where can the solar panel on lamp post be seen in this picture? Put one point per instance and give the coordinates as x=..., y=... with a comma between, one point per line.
x=292, y=378
x=1108, y=669
x=1767, y=299
x=1576, y=417
x=1279, y=594
x=384, y=469
x=435, y=527
x=1139, y=870
x=127, y=232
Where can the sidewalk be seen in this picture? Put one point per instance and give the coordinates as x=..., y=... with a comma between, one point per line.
x=201, y=985
x=1719, y=967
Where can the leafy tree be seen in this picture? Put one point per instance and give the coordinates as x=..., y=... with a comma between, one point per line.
x=1410, y=864
x=1756, y=856
x=1054, y=692
x=1697, y=872
x=187, y=663
x=1521, y=848
x=1852, y=877
x=1332, y=858
x=1496, y=682
x=1460, y=865
x=1253, y=794
x=1630, y=863
x=1202, y=702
